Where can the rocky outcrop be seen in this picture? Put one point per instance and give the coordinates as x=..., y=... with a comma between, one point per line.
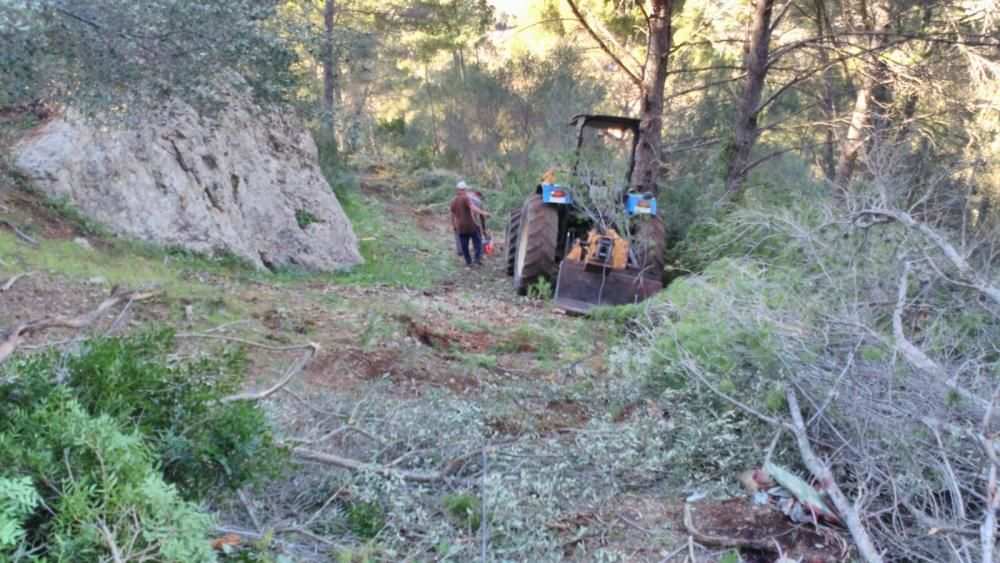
x=245, y=180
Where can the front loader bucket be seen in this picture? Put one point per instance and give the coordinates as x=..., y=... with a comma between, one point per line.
x=578, y=289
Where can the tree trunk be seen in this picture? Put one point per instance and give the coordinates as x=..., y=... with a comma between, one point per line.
x=828, y=94
x=329, y=62
x=745, y=130
x=647, y=158
x=873, y=93
x=435, y=137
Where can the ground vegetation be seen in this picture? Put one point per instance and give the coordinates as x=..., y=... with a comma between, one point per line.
x=827, y=176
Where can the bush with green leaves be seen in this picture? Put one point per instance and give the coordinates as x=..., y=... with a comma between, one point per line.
x=102, y=492
x=18, y=500
x=121, y=440
x=464, y=510
x=203, y=445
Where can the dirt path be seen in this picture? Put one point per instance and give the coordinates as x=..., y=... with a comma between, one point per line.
x=525, y=383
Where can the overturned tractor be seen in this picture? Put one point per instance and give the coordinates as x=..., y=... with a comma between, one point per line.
x=600, y=241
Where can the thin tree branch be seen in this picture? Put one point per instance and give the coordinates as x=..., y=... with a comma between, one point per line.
x=20, y=234
x=914, y=355
x=291, y=372
x=10, y=283
x=600, y=43
x=975, y=280
x=355, y=465
x=863, y=542
x=988, y=528
x=13, y=337
x=693, y=369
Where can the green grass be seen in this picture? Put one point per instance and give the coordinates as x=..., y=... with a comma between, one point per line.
x=129, y=264
x=65, y=208
x=365, y=519
x=395, y=252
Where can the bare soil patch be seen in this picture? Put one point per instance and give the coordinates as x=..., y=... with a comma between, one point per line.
x=761, y=531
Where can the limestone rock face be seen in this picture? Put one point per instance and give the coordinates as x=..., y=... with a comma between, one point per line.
x=245, y=179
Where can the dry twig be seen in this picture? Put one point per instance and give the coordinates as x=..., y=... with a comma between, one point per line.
x=20, y=234
x=862, y=540
x=290, y=373
x=13, y=337
x=355, y=465
x=10, y=283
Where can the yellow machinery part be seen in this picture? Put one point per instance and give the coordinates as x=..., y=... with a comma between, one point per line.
x=619, y=250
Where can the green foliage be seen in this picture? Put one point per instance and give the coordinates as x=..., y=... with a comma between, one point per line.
x=18, y=499
x=394, y=253
x=365, y=519
x=699, y=328
x=118, y=434
x=220, y=260
x=101, y=485
x=541, y=289
x=394, y=128
x=85, y=225
x=485, y=361
x=464, y=509
x=203, y=446
x=305, y=218
x=107, y=55
x=528, y=338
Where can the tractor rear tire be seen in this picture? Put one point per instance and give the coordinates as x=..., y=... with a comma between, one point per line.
x=538, y=235
x=510, y=239
x=650, y=240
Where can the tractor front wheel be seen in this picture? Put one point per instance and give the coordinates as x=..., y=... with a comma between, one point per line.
x=538, y=235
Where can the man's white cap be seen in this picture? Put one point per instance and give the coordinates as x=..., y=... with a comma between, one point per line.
x=462, y=186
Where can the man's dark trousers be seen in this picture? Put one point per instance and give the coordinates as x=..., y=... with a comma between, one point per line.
x=477, y=242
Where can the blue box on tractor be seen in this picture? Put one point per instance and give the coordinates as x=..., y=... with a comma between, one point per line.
x=638, y=204
x=552, y=193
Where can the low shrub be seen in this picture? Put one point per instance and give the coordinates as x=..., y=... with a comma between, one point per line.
x=100, y=488
x=365, y=519
x=121, y=440
x=464, y=510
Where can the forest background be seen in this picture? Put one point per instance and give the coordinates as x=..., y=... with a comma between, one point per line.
x=828, y=172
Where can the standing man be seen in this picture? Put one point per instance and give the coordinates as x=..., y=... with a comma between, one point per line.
x=463, y=223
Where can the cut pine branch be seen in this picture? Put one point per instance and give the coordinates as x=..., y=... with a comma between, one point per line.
x=848, y=511
x=973, y=278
